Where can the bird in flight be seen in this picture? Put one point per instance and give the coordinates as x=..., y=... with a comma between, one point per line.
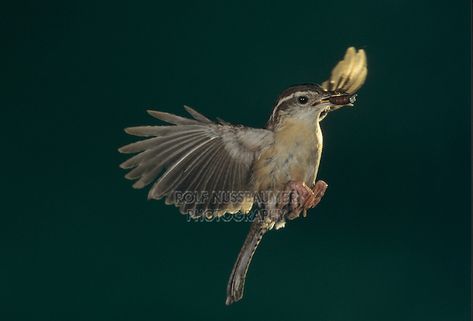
x=210, y=168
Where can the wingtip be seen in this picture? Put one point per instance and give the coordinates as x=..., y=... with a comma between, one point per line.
x=353, y=51
x=151, y=195
x=362, y=54
x=152, y=112
x=231, y=299
x=127, y=130
x=126, y=149
x=189, y=109
x=196, y=115
x=349, y=54
x=156, y=113
x=138, y=184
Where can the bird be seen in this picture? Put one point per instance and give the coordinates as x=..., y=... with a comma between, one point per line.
x=212, y=168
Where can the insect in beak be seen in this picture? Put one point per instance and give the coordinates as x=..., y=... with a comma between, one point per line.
x=339, y=99
x=335, y=101
x=343, y=100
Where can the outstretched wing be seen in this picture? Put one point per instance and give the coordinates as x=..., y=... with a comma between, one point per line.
x=201, y=166
x=350, y=73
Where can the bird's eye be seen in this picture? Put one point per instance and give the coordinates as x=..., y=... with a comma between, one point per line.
x=303, y=100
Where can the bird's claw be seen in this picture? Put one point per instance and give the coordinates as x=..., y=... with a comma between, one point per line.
x=303, y=197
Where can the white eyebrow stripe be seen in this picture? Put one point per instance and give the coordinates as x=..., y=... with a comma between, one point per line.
x=285, y=99
x=291, y=96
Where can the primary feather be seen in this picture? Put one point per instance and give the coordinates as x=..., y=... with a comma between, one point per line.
x=209, y=161
x=350, y=73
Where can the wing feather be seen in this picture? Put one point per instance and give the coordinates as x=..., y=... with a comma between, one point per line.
x=350, y=73
x=195, y=155
x=173, y=175
x=198, y=116
x=162, y=145
x=171, y=118
x=200, y=171
x=190, y=170
x=159, y=156
x=190, y=184
x=151, y=169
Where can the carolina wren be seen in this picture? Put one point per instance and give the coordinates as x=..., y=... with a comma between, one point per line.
x=208, y=168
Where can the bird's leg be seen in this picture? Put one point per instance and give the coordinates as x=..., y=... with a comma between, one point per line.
x=303, y=197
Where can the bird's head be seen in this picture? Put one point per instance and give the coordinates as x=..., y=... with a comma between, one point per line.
x=307, y=101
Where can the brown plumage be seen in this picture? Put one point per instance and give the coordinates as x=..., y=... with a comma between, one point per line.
x=209, y=168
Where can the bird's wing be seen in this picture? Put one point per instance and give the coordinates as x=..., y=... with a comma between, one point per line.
x=350, y=73
x=201, y=166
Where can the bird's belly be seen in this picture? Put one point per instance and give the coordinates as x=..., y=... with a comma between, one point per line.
x=294, y=156
x=296, y=162
x=299, y=165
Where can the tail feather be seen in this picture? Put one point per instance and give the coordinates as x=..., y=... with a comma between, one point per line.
x=236, y=283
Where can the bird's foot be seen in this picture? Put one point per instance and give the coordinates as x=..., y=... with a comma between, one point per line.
x=302, y=197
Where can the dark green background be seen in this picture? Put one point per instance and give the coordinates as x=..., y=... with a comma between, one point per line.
x=390, y=241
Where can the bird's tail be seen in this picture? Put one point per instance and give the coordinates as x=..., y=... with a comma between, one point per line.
x=236, y=283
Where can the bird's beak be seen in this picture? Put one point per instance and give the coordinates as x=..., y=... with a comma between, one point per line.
x=333, y=100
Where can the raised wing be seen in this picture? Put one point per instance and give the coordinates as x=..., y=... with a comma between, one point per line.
x=201, y=166
x=350, y=73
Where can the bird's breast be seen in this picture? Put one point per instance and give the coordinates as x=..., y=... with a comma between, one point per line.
x=294, y=156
